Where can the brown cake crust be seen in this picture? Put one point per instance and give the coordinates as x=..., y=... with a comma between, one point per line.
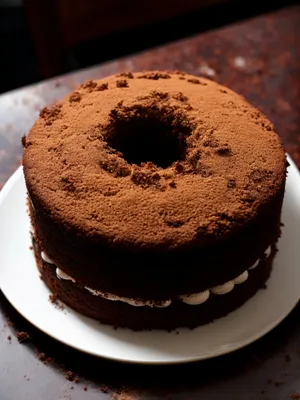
x=149, y=230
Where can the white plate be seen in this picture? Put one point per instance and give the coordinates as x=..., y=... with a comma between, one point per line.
x=22, y=286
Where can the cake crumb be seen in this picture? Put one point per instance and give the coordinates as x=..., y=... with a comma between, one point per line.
x=43, y=357
x=85, y=388
x=70, y=376
x=104, y=388
x=53, y=298
x=23, y=337
x=9, y=337
x=23, y=141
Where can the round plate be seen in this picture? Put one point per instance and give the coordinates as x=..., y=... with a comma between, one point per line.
x=24, y=289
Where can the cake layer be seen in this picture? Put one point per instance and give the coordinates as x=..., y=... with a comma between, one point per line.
x=177, y=314
x=165, y=274
x=191, y=299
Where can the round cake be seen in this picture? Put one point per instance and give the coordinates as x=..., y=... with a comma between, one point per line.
x=155, y=199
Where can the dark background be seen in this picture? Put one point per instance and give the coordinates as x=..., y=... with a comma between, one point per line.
x=44, y=38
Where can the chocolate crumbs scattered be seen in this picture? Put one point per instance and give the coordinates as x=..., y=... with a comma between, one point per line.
x=42, y=356
x=23, y=141
x=104, y=388
x=53, y=298
x=23, y=337
x=70, y=376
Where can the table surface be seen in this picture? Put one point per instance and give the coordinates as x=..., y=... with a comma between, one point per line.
x=259, y=58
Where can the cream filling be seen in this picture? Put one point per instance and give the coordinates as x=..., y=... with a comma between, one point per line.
x=191, y=299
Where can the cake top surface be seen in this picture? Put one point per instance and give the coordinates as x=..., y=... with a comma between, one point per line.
x=153, y=159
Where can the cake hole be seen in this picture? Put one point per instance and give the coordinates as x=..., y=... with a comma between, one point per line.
x=155, y=135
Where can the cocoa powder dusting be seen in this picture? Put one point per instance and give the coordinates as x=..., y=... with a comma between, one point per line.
x=208, y=153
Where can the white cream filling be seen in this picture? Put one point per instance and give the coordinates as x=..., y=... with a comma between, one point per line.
x=241, y=278
x=223, y=289
x=196, y=299
x=46, y=258
x=191, y=299
x=128, y=300
x=62, y=275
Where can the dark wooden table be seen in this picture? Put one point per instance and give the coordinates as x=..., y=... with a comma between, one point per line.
x=260, y=59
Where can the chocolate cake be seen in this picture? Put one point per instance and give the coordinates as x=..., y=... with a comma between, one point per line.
x=155, y=199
